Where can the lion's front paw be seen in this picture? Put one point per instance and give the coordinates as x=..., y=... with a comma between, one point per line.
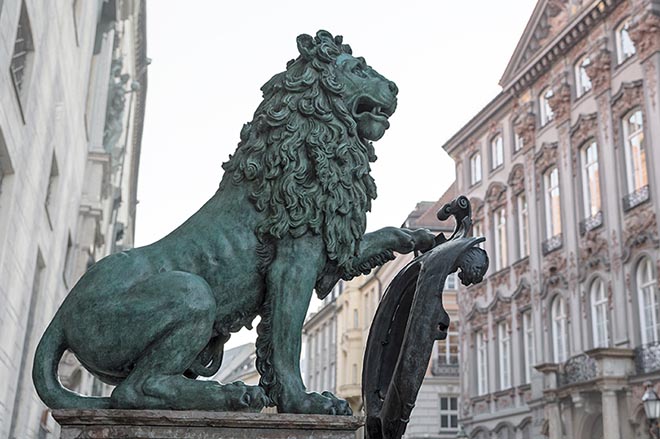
x=408, y=240
x=314, y=403
x=244, y=397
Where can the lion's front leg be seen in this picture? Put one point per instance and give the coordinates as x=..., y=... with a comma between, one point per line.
x=378, y=247
x=290, y=281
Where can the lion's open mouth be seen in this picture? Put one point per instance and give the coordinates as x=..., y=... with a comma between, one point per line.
x=367, y=105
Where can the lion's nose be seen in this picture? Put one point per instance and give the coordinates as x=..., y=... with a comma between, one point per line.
x=393, y=88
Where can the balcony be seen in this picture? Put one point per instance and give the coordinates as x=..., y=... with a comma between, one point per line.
x=647, y=358
x=636, y=198
x=552, y=244
x=578, y=369
x=591, y=223
x=441, y=368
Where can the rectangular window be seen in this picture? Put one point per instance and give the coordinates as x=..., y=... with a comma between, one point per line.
x=523, y=226
x=478, y=231
x=356, y=321
x=633, y=134
x=482, y=363
x=21, y=60
x=448, y=349
x=590, y=180
x=545, y=110
x=475, y=168
x=504, y=336
x=499, y=232
x=625, y=47
x=552, y=203
x=582, y=81
x=528, y=345
x=448, y=413
x=496, y=151
x=517, y=142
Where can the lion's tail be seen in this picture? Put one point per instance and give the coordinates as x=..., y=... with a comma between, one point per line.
x=44, y=373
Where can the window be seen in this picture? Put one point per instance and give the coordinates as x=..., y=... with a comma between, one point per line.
x=545, y=110
x=647, y=296
x=552, y=203
x=633, y=136
x=518, y=142
x=475, y=168
x=590, y=179
x=448, y=349
x=51, y=190
x=558, y=315
x=625, y=48
x=451, y=282
x=499, y=224
x=504, y=337
x=523, y=226
x=356, y=321
x=482, y=363
x=528, y=345
x=496, y=152
x=478, y=231
x=582, y=81
x=448, y=413
x=355, y=374
x=599, y=313
x=21, y=60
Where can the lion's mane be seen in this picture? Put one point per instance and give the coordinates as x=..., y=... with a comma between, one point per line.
x=305, y=164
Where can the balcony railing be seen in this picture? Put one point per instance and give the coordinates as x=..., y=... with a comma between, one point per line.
x=552, y=244
x=647, y=358
x=578, y=369
x=441, y=368
x=636, y=198
x=591, y=223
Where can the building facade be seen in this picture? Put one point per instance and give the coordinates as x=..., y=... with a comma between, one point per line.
x=561, y=335
x=349, y=311
x=72, y=96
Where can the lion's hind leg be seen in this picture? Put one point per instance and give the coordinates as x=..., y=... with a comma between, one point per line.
x=185, y=325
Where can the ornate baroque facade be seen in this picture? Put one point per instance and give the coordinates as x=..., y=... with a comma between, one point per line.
x=560, y=166
x=72, y=95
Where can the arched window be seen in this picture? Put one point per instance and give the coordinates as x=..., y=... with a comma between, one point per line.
x=475, y=168
x=496, y=152
x=552, y=202
x=558, y=316
x=647, y=296
x=625, y=48
x=599, y=314
x=590, y=179
x=582, y=81
x=633, y=137
x=545, y=111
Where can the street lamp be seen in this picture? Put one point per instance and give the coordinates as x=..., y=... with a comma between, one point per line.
x=461, y=433
x=652, y=408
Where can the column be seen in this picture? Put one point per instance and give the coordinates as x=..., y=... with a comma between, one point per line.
x=610, y=414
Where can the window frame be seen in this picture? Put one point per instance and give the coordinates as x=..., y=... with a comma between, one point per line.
x=582, y=80
x=546, y=115
x=476, y=171
x=552, y=229
x=496, y=151
x=599, y=307
x=445, y=355
x=621, y=55
x=559, y=323
x=642, y=284
x=631, y=174
x=529, y=356
x=523, y=225
x=504, y=346
x=589, y=207
x=482, y=362
x=451, y=414
x=500, y=238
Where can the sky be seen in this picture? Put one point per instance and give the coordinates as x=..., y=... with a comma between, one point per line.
x=210, y=59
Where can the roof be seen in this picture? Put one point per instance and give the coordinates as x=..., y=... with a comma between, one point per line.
x=233, y=359
x=425, y=213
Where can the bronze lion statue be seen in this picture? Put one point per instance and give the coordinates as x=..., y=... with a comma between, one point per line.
x=288, y=218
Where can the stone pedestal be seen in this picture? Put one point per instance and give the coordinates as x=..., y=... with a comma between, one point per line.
x=165, y=424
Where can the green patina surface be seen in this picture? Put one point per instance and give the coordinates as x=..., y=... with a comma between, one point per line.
x=287, y=219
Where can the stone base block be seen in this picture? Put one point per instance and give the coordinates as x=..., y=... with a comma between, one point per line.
x=166, y=424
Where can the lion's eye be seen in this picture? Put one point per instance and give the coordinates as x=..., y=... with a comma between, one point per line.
x=359, y=71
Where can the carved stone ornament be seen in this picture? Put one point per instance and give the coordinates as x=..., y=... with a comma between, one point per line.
x=554, y=269
x=560, y=102
x=594, y=253
x=521, y=267
x=496, y=195
x=525, y=125
x=500, y=278
x=644, y=30
x=523, y=294
x=600, y=70
x=517, y=179
x=640, y=231
x=478, y=318
x=500, y=307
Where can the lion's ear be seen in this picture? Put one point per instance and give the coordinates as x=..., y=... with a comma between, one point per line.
x=306, y=46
